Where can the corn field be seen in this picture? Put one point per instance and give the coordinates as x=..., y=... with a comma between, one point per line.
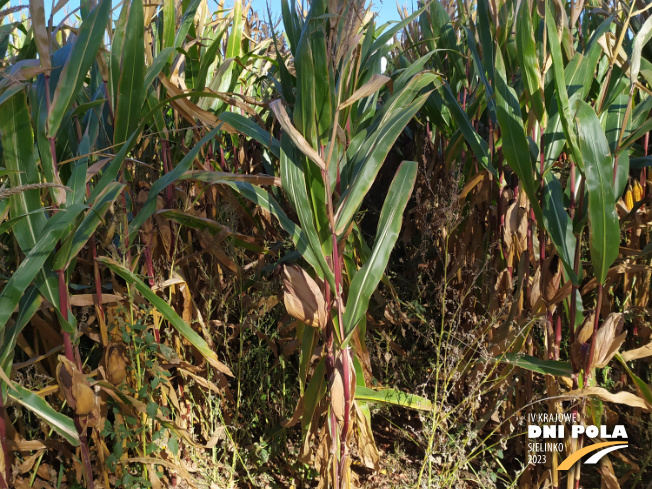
x=314, y=251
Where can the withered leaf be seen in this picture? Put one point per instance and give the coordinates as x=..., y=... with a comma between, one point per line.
x=303, y=297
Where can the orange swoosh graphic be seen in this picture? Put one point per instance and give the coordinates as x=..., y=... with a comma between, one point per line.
x=570, y=461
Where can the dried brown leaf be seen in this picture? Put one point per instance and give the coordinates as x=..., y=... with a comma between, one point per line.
x=41, y=37
x=609, y=479
x=296, y=137
x=638, y=353
x=608, y=339
x=621, y=397
x=372, y=86
x=303, y=297
x=365, y=440
x=337, y=395
x=550, y=277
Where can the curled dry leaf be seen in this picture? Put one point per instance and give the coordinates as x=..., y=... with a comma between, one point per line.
x=303, y=297
x=550, y=278
x=337, y=395
x=511, y=224
x=609, y=479
x=642, y=352
x=296, y=137
x=115, y=363
x=522, y=222
x=586, y=330
x=621, y=397
x=503, y=287
x=365, y=440
x=372, y=86
x=75, y=387
x=580, y=347
x=535, y=290
x=608, y=339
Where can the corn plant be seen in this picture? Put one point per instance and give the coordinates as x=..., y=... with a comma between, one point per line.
x=550, y=124
x=334, y=139
x=73, y=111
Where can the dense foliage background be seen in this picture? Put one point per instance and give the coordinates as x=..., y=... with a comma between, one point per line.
x=326, y=252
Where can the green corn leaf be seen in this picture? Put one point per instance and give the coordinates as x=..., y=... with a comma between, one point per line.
x=168, y=313
x=291, y=23
x=322, y=77
x=579, y=74
x=187, y=21
x=598, y=171
x=388, y=34
x=81, y=58
x=612, y=120
x=560, y=85
x=230, y=68
x=366, y=159
x=534, y=364
x=234, y=42
x=184, y=165
x=476, y=143
x=213, y=227
x=33, y=263
x=83, y=109
x=393, y=397
x=87, y=227
x=130, y=91
x=366, y=279
x=515, y=144
x=305, y=111
x=37, y=96
x=27, y=307
x=315, y=391
x=58, y=422
x=641, y=385
x=529, y=61
x=169, y=24
x=558, y=223
x=264, y=200
x=445, y=36
x=411, y=71
x=486, y=39
x=489, y=92
x=250, y=129
x=293, y=176
x=157, y=66
x=18, y=155
x=635, y=136
x=209, y=58
x=10, y=92
x=77, y=180
x=641, y=39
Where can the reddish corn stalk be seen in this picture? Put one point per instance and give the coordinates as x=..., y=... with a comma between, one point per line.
x=63, y=307
x=330, y=368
